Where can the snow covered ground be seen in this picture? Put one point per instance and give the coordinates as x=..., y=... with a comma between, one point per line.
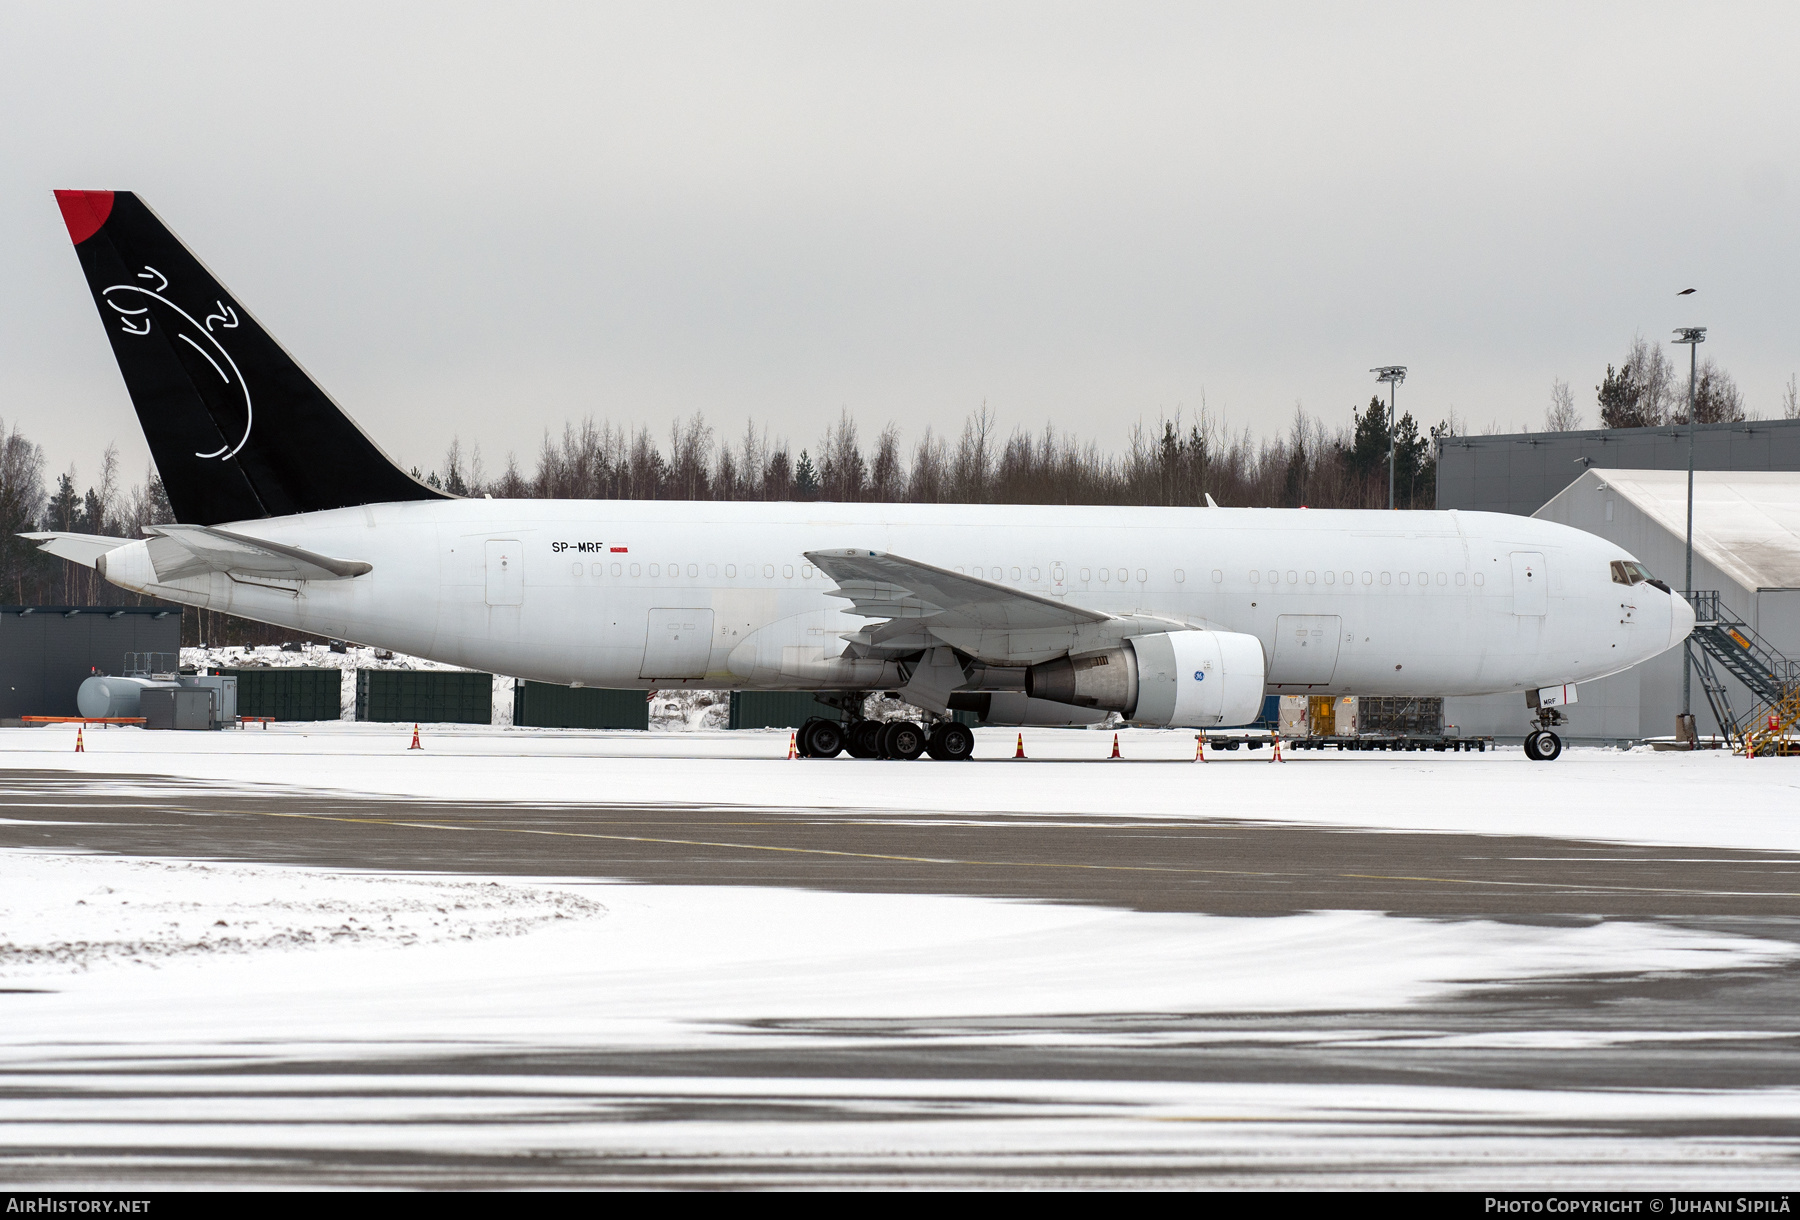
x=1705, y=799
x=237, y=1011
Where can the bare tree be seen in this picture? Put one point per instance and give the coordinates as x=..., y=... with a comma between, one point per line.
x=1790, y=399
x=1561, y=415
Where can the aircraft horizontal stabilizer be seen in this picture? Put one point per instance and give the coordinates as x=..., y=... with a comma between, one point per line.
x=83, y=549
x=177, y=552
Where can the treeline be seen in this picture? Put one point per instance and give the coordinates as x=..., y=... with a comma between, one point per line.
x=1649, y=389
x=1178, y=461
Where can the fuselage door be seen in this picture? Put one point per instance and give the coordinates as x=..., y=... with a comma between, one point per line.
x=1531, y=583
x=1306, y=649
x=505, y=572
x=678, y=643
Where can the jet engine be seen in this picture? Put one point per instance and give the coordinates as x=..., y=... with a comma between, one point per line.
x=1185, y=679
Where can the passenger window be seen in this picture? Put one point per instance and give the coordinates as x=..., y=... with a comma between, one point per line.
x=655, y=569
x=576, y=570
x=768, y=571
x=1274, y=578
x=1424, y=578
x=787, y=571
x=980, y=571
x=599, y=566
x=1368, y=578
x=959, y=570
x=1442, y=579
x=1405, y=578
x=1218, y=576
x=1386, y=579
x=1180, y=577
x=693, y=570
x=1331, y=578
x=1086, y=575
x=1034, y=573
x=615, y=569
x=1311, y=577
x=1015, y=573
x=1461, y=579
x=731, y=571
x=1142, y=576
x=1105, y=574
x=636, y=570
x=1255, y=576
x=1350, y=578
x=1478, y=580
x=806, y=571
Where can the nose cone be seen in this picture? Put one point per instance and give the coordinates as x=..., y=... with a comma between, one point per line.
x=1681, y=619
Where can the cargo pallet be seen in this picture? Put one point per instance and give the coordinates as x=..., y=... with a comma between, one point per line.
x=1454, y=744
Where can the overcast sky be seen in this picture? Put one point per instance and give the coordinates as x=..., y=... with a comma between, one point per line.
x=488, y=220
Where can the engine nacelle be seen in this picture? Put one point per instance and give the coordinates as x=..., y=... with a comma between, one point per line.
x=1198, y=679
x=1186, y=679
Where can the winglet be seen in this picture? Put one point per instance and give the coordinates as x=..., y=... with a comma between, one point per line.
x=84, y=212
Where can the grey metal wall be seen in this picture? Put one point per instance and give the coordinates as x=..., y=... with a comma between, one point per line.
x=1521, y=473
x=47, y=652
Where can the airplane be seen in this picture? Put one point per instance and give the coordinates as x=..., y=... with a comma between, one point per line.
x=288, y=513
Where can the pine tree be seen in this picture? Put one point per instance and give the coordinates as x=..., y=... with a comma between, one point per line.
x=806, y=479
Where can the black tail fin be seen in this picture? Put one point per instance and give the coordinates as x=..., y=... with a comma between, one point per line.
x=237, y=428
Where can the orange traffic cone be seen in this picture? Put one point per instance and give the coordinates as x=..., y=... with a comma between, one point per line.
x=79, y=748
x=1276, y=757
x=1199, y=747
x=793, y=746
x=1019, y=752
x=1115, y=752
x=415, y=742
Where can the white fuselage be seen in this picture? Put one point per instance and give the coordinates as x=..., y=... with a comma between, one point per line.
x=574, y=591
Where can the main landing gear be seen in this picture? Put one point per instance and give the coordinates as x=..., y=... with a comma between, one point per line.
x=900, y=740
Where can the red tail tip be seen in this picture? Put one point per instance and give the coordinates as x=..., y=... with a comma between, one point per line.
x=84, y=212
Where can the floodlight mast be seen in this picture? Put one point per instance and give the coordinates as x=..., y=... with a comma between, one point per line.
x=1393, y=374
x=1693, y=336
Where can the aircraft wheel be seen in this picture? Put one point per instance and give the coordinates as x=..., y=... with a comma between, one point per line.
x=860, y=739
x=1543, y=746
x=803, y=739
x=903, y=740
x=826, y=739
x=951, y=742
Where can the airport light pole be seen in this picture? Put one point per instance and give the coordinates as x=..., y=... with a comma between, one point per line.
x=1693, y=336
x=1393, y=374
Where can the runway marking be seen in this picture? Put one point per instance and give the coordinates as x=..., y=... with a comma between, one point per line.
x=950, y=860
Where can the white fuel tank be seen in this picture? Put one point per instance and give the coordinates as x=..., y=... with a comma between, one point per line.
x=103, y=698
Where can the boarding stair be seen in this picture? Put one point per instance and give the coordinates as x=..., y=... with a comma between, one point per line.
x=1768, y=727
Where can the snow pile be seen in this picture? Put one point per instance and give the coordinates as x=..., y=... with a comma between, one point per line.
x=63, y=913
x=310, y=656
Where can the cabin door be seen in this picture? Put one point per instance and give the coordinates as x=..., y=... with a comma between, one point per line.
x=1306, y=649
x=678, y=643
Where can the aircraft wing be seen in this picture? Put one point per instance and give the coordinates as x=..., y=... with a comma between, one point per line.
x=927, y=607
x=880, y=585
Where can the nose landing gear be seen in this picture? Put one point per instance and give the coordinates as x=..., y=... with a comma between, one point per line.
x=1541, y=744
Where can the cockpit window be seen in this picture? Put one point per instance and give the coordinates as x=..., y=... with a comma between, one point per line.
x=1629, y=572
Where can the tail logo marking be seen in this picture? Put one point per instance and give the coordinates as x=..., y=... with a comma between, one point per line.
x=227, y=318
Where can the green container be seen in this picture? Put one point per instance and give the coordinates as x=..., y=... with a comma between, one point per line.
x=545, y=705
x=424, y=695
x=288, y=694
x=769, y=709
